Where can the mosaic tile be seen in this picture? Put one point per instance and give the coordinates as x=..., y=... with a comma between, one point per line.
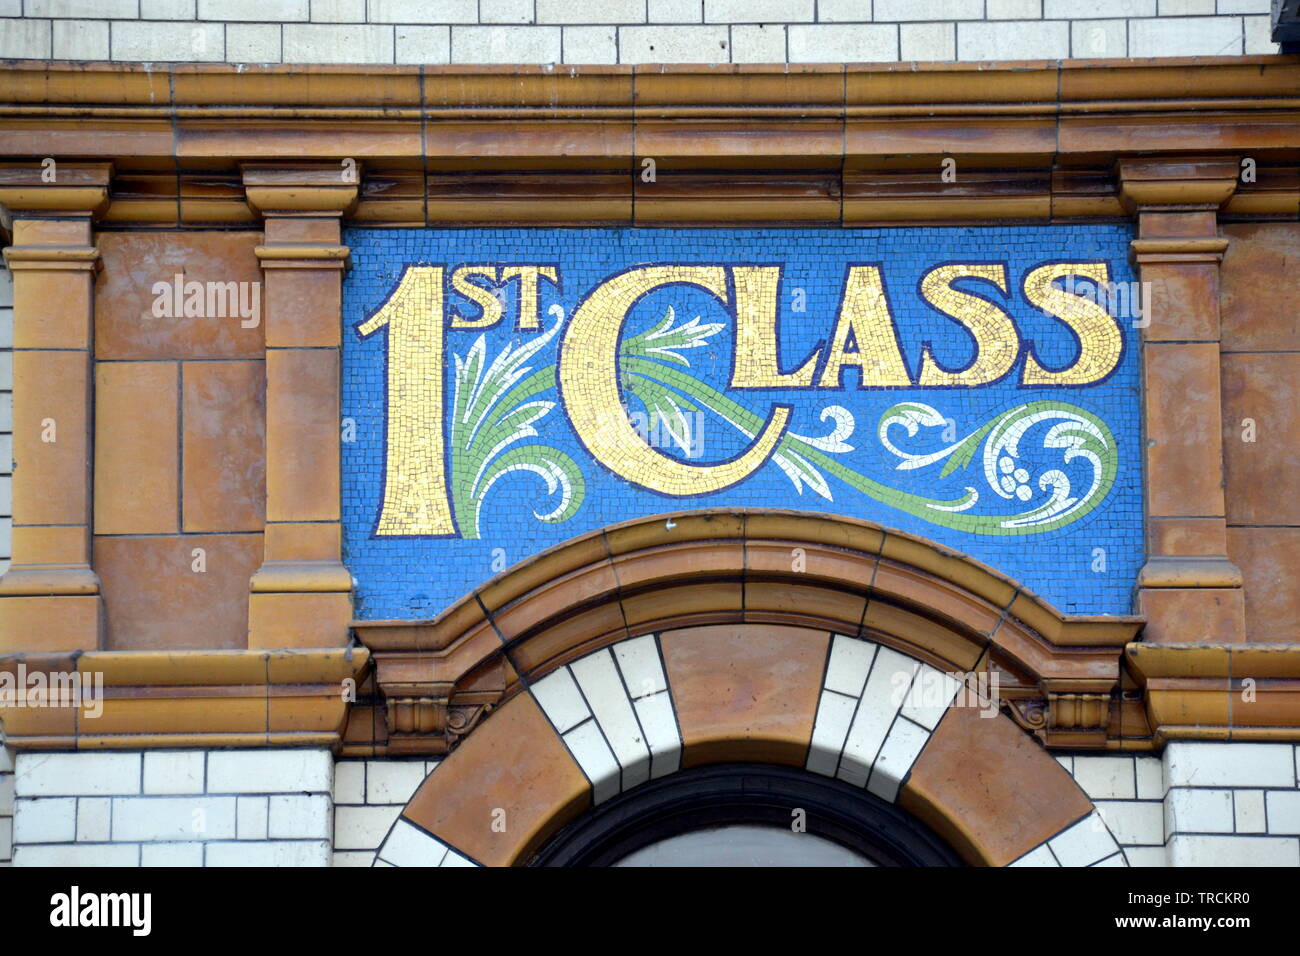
x=505, y=390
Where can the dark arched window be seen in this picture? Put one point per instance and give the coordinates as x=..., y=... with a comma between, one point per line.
x=746, y=815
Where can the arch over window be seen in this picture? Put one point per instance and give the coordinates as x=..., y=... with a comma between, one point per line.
x=838, y=575
x=643, y=710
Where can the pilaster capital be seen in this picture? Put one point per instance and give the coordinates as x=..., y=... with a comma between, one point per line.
x=316, y=190
x=53, y=188
x=1176, y=183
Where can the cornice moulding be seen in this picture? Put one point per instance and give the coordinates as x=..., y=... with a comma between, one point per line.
x=848, y=144
x=238, y=698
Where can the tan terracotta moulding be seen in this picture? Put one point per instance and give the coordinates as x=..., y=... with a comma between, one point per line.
x=1248, y=691
x=436, y=679
x=734, y=143
x=143, y=699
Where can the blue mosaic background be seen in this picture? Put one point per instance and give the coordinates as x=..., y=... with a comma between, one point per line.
x=418, y=577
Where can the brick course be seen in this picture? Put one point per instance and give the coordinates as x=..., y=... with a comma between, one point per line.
x=627, y=31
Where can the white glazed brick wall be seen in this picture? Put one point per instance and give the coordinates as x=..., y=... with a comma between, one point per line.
x=368, y=796
x=626, y=31
x=1232, y=804
x=1128, y=791
x=6, y=803
x=174, y=808
x=1199, y=803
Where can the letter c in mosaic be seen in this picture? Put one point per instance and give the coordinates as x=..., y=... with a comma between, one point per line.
x=591, y=390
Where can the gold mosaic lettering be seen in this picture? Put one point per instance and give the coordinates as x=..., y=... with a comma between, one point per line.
x=528, y=318
x=865, y=313
x=1100, y=340
x=756, y=361
x=483, y=298
x=996, y=341
x=589, y=384
x=415, y=481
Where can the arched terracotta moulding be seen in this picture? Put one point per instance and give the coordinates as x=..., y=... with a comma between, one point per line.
x=644, y=708
x=687, y=569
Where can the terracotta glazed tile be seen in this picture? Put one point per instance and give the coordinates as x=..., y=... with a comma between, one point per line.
x=302, y=435
x=52, y=310
x=319, y=665
x=39, y=721
x=925, y=555
x=303, y=541
x=1027, y=82
x=1014, y=142
x=165, y=669
x=798, y=527
x=923, y=589
x=1186, y=536
x=323, y=231
x=52, y=232
x=514, y=764
x=200, y=144
x=321, y=712
x=462, y=86
x=540, y=569
x=1204, y=701
x=714, y=83
x=155, y=601
x=1180, y=224
x=303, y=307
x=51, y=544
x=365, y=727
x=790, y=602
x=715, y=600
x=605, y=620
x=125, y=326
x=1184, y=302
x=1269, y=703
x=1268, y=559
x=653, y=566
x=1264, y=389
x=809, y=561
x=1191, y=615
x=546, y=602
x=33, y=625
x=50, y=485
x=299, y=620
x=702, y=526
x=590, y=146
x=745, y=692
x=990, y=789
x=1016, y=643
x=136, y=448
x=181, y=714
x=224, y=451
x=1258, y=286
x=1183, y=427
x=939, y=643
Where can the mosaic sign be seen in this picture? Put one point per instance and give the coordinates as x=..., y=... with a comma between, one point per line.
x=508, y=389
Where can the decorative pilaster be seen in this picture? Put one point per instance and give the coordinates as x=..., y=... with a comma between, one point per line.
x=302, y=594
x=49, y=598
x=1188, y=590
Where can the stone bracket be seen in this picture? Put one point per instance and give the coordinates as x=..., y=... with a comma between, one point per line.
x=429, y=706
